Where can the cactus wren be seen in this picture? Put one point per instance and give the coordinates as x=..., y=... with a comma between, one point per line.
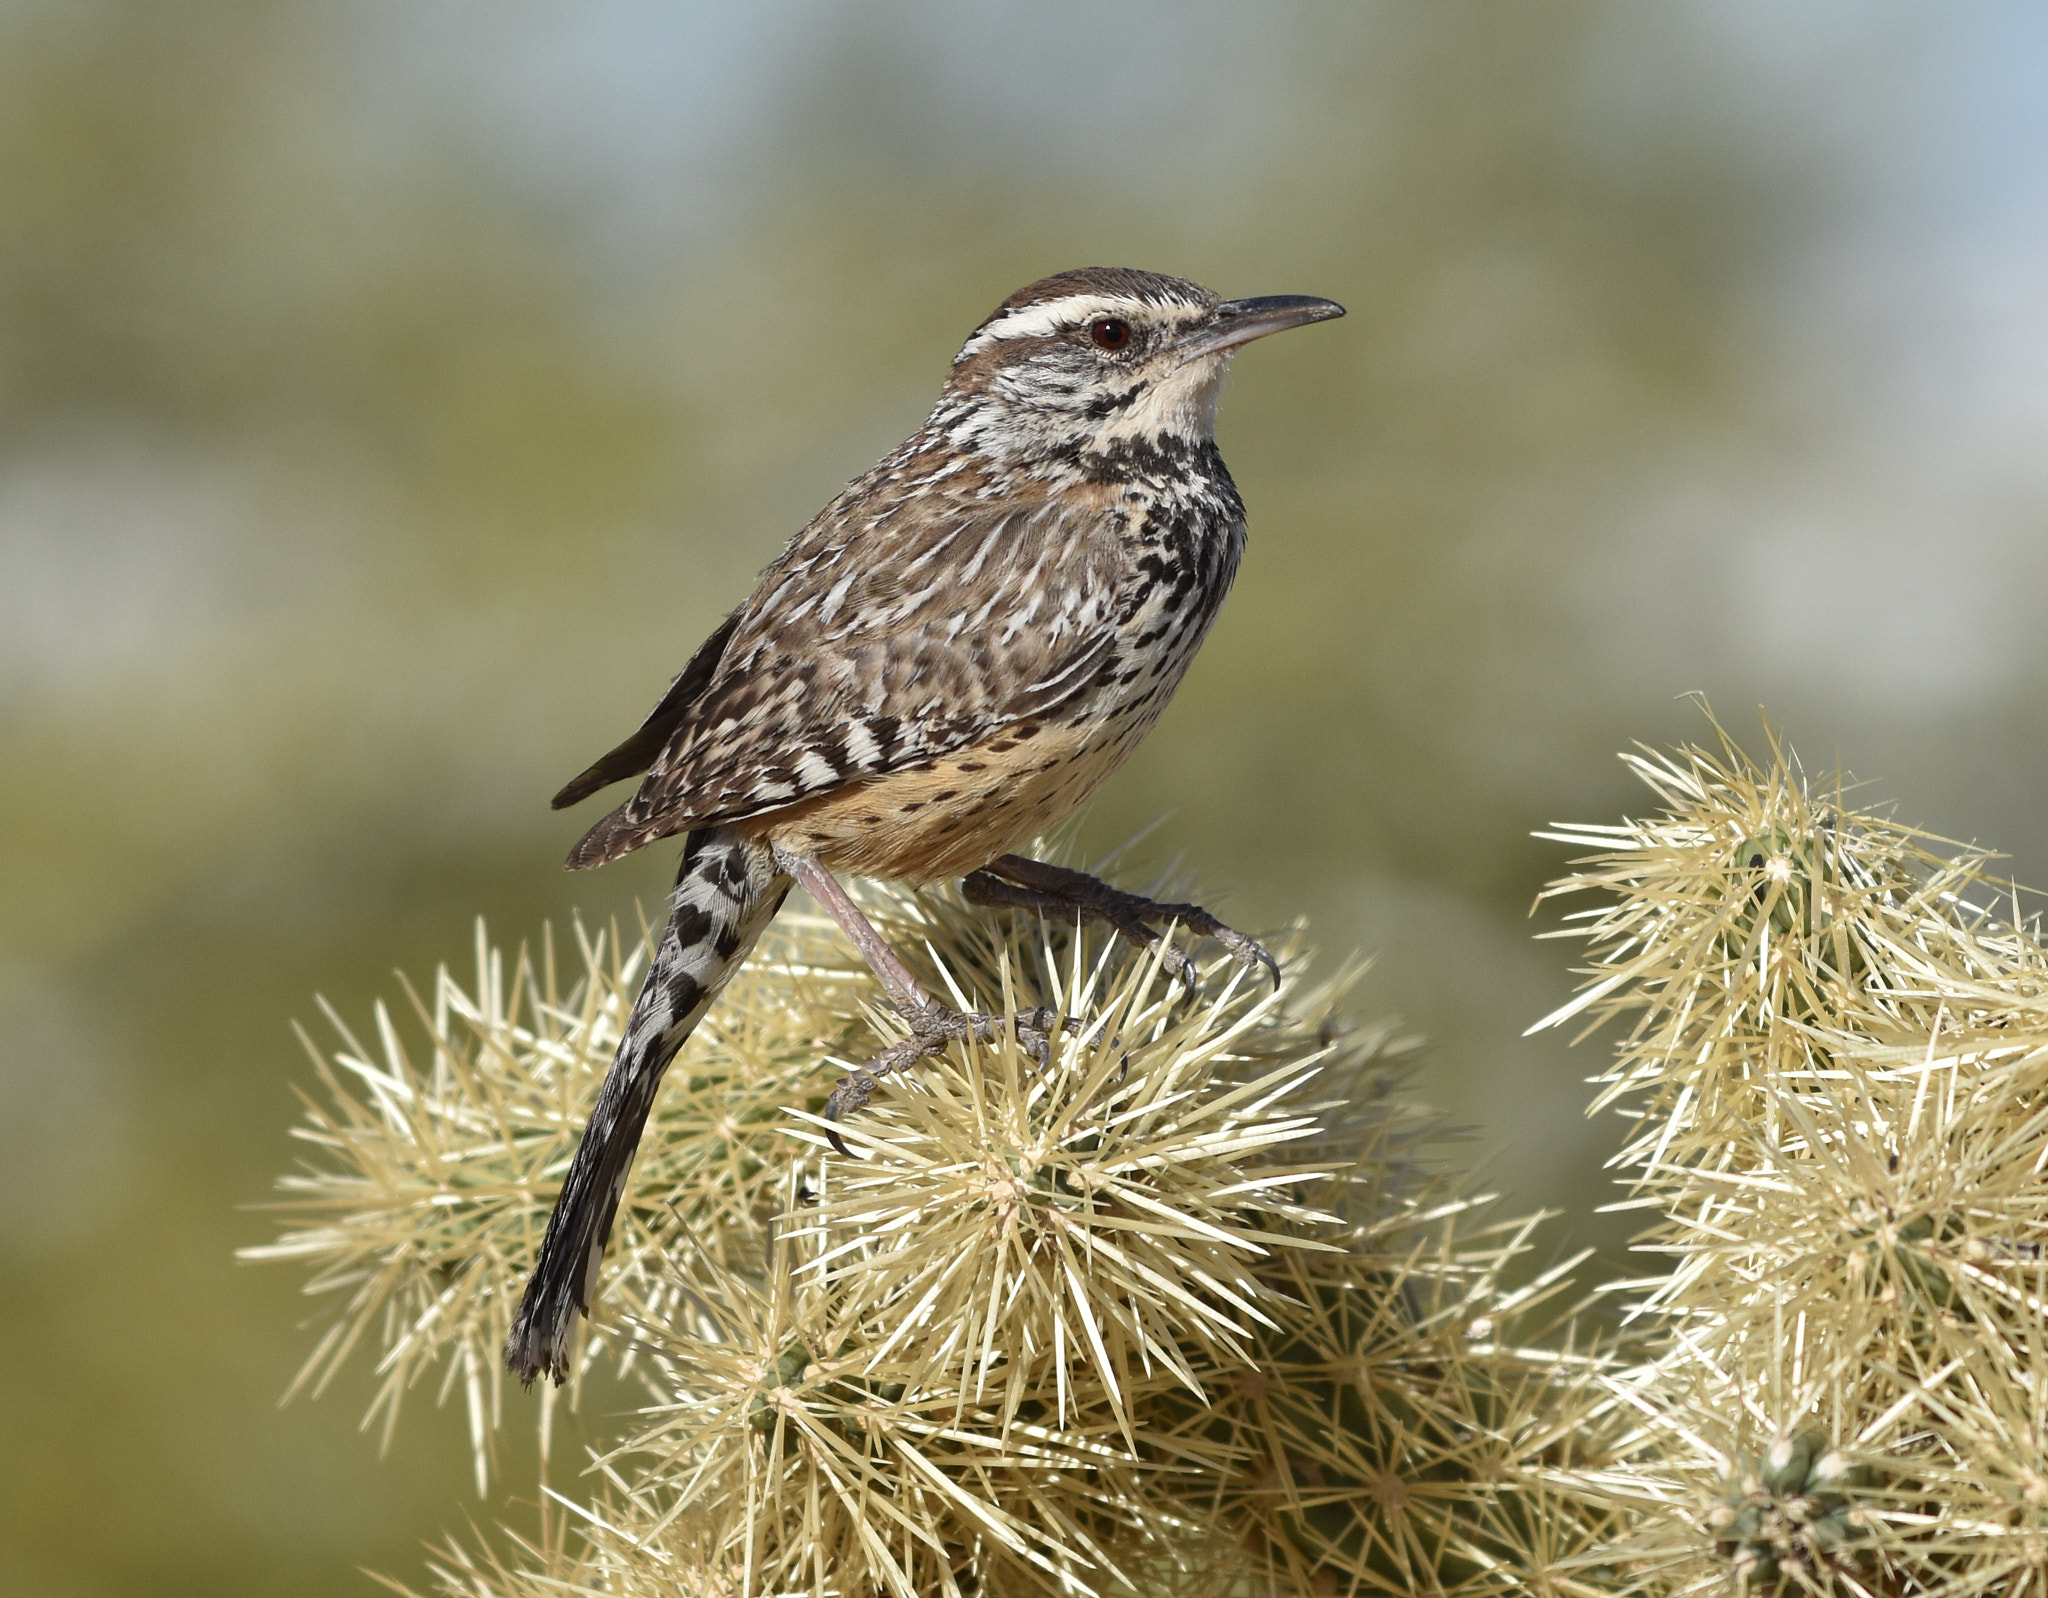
x=944, y=663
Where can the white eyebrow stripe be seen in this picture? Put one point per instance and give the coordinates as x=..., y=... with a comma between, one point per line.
x=1048, y=316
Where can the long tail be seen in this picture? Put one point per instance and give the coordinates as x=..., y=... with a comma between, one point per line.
x=727, y=892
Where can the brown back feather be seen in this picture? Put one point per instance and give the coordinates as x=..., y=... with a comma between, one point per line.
x=877, y=643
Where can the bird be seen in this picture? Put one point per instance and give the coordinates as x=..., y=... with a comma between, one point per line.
x=945, y=662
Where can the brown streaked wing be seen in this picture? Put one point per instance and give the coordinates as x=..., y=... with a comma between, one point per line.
x=639, y=752
x=875, y=646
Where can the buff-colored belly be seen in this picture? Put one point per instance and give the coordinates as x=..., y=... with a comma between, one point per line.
x=958, y=813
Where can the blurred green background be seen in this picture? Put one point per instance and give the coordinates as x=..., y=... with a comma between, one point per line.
x=392, y=395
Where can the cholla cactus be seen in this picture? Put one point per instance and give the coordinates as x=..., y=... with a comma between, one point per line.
x=1184, y=1309
x=429, y=1191
x=1838, y=1061
x=1181, y=1308
x=1792, y=1512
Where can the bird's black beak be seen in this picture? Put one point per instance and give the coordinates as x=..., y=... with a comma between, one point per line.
x=1240, y=321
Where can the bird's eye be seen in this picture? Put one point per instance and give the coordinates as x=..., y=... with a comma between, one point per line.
x=1109, y=333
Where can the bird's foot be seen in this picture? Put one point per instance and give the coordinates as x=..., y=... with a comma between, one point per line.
x=932, y=1028
x=1057, y=890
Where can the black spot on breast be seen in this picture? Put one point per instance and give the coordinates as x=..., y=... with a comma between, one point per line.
x=941, y=798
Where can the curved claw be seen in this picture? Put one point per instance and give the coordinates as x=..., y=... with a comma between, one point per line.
x=1034, y=1031
x=1171, y=955
x=1248, y=952
x=855, y=1089
x=1184, y=967
x=1245, y=950
x=849, y=1095
x=932, y=1028
x=1018, y=880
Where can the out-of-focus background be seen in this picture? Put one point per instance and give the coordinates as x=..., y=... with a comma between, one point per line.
x=393, y=394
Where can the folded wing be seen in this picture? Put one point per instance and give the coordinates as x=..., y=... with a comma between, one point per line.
x=865, y=650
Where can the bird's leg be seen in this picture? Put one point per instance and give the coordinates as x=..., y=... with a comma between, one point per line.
x=1011, y=879
x=932, y=1025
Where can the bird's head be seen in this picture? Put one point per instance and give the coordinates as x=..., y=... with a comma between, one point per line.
x=1086, y=360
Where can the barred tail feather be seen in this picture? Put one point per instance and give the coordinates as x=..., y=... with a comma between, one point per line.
x=726, y=893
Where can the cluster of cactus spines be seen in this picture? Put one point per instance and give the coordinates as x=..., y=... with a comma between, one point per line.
x=1181, y=1308
x=1186, y=1308
x=1390, y=1438
x=436, y=1155
x=1838, y=1056
x=1792, y=1514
